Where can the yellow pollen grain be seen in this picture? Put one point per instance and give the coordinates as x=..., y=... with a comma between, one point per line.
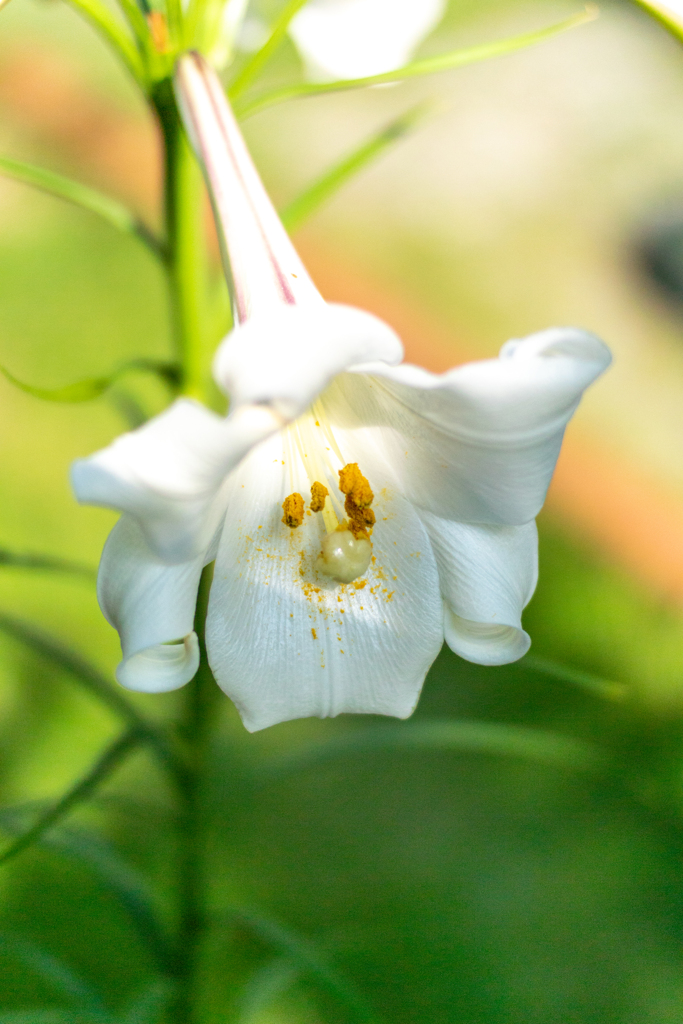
x=318, y=494
x=293, y=508
x=314, y=634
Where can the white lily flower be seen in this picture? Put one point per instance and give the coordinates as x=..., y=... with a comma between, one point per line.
x=357, y=38
x=359, y=511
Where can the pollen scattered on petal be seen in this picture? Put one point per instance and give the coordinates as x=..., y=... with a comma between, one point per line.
x=293, y=508
x=359, y=498
x=318, y=494
x=314, y=634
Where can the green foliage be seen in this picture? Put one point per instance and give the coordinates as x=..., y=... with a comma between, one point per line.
x=93, y=387
x=253, y=67
x=110, y=210
x=417, y=69
x=306, y=204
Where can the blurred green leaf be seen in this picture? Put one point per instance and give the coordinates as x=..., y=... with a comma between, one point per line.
x=301, y=208
x=493, y=739
x=81, y=791
x=128, y=407
x=110, y=210
x=93, y=387
x=148, y=1006
x=259, y=59
x=267, y=983
x=664, y=14
x=428, y=66
x=575, y=677
x=124, y=883
x=58, y=975
x=97, y=684
x=117, y=877
x=308, y=959
x=44, y=563
x=40, y=1017
x=136, y=19
x=102, y=19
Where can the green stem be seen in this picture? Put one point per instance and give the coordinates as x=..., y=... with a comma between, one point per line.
x=185, y=243
x=186, y=265
x=200, y=698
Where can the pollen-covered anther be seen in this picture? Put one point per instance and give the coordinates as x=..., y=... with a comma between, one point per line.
x=318, y=494
x=359, y=498
x=293, y=508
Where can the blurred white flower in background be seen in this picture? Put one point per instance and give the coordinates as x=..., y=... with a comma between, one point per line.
x=357, y=38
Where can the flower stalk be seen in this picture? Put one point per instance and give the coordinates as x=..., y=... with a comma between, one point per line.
x=185, y=241
x=186, y=265
x=196, y=727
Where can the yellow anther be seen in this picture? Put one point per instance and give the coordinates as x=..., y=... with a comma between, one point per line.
x=293, y=508
x=355, y=485
x=318, y=494
x=158, y=29
x=359, y=497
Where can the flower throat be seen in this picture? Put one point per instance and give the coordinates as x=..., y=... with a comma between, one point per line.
x=346, y=549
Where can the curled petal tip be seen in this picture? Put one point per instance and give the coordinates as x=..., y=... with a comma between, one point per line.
x=161, y=668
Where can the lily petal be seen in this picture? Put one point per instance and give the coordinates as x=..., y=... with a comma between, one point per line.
x=284, y=359
x=168, y=473
x=285, y=642
x=355, y=38
x=152, y=606
x=479, y=443
x=488, y=575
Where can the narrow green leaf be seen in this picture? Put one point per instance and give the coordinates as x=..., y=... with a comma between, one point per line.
x=428, y=66
x=308, y=958
x=492, y=739
x=117, y=878
x=137, y=21
x=175, y=18
x=259, y=59
x=45, y=563
x=267, y=983
x=97, y=684
x=110, y=210
x=101, y=18
x=664, y=15
x=576, y=677
x=57, y=974
x=128, y=407
x=105, y=765
x=301, y=208
x=125, y=884
x=93, y=387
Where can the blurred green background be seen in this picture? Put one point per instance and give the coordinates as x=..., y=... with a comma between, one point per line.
x=496, y=876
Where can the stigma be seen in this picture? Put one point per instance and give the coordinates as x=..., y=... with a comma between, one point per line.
x=346, y=549
x=344, y=557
